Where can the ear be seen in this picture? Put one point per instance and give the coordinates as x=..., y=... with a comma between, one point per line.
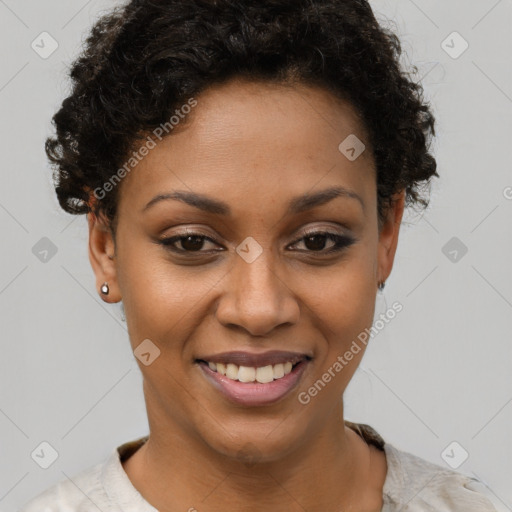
x=388, y=236
x=102, y=257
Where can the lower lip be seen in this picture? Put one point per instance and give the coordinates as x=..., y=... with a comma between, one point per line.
x=255, y=393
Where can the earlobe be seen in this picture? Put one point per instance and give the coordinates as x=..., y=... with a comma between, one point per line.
x=102, y=258
x=388, y=236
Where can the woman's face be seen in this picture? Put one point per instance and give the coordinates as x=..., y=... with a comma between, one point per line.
x=256, y=166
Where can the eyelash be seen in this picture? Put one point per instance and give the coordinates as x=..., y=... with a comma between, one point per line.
x=341, y=242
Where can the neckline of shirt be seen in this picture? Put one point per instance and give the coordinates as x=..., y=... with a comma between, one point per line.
x=121, y=491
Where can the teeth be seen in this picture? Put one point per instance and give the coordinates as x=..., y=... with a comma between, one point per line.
x=232, y=371
x=263, y=374
x=278, y=371
x=246, y=374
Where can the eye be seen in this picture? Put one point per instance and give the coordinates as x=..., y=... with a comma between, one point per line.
x=315, y=241
x=190, y=242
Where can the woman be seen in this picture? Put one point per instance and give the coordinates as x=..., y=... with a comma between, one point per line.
x=244, y=167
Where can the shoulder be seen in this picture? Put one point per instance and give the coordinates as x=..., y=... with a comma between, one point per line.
x=418, y=485
x=79, y=493
x=104, y=487
x=414, y=484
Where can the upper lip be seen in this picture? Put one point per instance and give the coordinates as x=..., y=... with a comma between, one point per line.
x=241, y=358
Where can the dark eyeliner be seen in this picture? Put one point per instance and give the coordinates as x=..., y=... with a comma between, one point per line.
x=341, y=242
x=167, y=243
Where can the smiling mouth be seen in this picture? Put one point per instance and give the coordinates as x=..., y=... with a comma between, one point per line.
x=250, y=379
x=247, y=374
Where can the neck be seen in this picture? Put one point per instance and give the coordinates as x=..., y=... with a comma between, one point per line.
x=328, y=472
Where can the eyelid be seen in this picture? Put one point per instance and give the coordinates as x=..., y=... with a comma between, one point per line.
x=183, y=234
x=304, y=233
x=319, y=230
x=341, y=241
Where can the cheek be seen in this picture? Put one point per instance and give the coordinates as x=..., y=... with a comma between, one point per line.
x=344, y=306
x=344, y=299
x=163, y=301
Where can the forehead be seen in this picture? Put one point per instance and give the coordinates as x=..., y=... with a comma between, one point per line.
x=246, y=141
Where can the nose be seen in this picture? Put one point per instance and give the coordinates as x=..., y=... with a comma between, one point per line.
x=256, y=298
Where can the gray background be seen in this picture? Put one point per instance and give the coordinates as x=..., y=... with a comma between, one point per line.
x=438, y=373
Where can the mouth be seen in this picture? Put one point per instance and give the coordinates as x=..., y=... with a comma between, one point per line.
x=254, y=379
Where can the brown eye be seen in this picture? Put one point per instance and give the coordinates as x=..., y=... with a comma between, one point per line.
x=190, y=242
x=316, y=241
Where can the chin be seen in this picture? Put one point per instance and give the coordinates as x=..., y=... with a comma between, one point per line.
x=256, y=441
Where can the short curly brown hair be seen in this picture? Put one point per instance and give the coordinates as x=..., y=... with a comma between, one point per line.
x=144, y=59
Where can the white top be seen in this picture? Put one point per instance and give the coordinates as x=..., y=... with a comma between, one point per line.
x=412, y=484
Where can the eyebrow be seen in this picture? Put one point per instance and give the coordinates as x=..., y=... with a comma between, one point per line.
x=297, y=205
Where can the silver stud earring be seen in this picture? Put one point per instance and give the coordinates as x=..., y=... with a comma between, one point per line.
x=104, y=289
x=381, y=285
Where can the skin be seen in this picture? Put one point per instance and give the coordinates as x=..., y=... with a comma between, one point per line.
x=254, y=146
